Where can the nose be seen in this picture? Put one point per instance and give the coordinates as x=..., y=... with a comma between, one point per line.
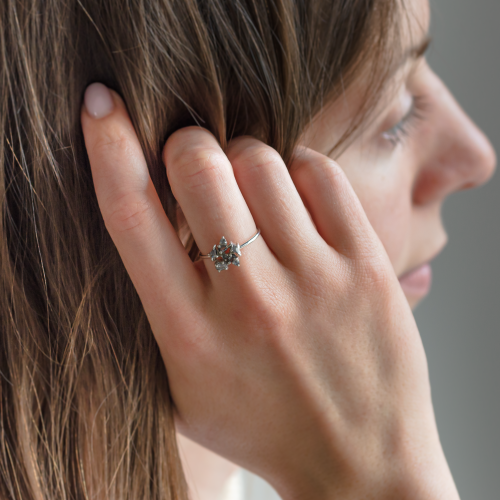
x=458, y=154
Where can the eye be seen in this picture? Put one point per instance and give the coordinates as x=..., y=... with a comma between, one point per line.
x=399, y=132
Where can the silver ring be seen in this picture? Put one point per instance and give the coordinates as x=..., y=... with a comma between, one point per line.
x=224, y=254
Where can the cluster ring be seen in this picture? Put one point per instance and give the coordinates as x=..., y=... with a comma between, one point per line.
x=225, y=254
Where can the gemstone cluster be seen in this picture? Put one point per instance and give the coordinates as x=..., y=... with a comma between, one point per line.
x=224, y=254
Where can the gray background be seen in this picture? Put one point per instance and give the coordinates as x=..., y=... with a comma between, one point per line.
x=460, y=319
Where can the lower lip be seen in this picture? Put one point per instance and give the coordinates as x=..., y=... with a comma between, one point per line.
x=417, y=282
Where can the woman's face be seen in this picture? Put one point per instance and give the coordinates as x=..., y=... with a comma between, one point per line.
x=421, y=148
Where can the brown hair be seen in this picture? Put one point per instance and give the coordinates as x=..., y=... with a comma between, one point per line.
x=85, y=410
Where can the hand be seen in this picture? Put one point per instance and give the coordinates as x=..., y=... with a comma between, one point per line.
x=304, y=364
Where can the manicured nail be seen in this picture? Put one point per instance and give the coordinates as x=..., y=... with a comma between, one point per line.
x=98, y=100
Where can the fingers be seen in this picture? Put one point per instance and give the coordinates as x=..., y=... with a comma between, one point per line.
x=334, y=206
x=274, y=201
x=203, y=182
x=154, y=257
x=211, y=189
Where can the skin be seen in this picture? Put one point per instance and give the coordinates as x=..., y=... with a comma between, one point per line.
x=331, y=340
x=401, y=186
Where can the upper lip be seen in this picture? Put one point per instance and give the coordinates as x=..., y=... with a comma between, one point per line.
x=433, y=256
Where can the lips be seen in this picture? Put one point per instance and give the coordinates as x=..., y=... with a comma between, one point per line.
x=418, y=281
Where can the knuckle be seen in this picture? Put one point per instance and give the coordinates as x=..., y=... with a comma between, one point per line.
x=128, y=212
x=258, y=157
x=375, y=274
x=328, y=170
x=320, y=165
x=198, y=167
x=321, y=276
x=238, y=144
x=270, y=322
x=263, y=312
x=185, y=136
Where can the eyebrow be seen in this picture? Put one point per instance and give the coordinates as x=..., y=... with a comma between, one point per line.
x=420, y=49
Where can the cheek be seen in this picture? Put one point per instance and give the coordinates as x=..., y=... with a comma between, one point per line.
x=385, y=194
x=390, y=216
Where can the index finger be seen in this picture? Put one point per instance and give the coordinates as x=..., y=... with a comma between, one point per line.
x=158, y=264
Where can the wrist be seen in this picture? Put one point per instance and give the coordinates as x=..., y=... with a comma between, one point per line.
x=426, y=479
x=431, y=485
x=417, y=473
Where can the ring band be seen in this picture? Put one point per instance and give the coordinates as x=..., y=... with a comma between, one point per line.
x=224, y=254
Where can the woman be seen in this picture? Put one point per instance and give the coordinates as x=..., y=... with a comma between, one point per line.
x=303, y=364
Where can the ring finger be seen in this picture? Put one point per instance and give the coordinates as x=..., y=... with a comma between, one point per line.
x=202, y=181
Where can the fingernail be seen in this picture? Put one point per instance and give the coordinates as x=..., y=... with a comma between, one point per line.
x=98, y=100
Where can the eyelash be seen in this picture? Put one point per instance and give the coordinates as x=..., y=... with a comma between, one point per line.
x=397, y=134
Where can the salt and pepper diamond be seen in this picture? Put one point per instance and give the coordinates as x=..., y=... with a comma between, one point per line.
x=224, y=254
